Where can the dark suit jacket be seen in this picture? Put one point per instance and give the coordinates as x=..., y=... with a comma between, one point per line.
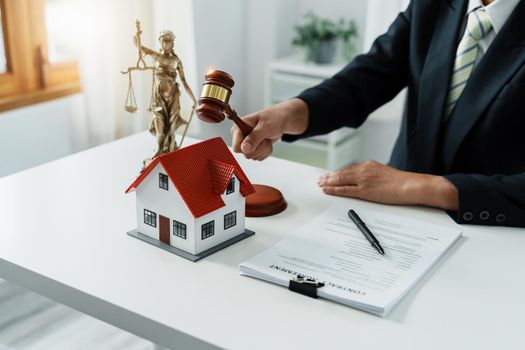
x=481, y=149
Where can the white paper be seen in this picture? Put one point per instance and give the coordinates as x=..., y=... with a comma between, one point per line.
x=332, y=250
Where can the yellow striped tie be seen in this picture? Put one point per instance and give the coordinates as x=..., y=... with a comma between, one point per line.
x=478, y=25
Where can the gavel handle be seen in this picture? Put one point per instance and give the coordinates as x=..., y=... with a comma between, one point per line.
x=231, y=114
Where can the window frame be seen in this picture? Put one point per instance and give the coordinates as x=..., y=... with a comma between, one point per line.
x=228, y=219
x=206, y=226
x=148, y=214
x=163, y=179
x=231, y=186
x=177, y=227
x=30, y=78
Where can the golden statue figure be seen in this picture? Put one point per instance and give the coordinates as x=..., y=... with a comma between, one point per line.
x=165, y=96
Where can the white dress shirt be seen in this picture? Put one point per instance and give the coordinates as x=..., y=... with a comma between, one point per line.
x=498, y=12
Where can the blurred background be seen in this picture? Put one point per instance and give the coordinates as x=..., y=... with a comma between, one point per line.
x=61, y=92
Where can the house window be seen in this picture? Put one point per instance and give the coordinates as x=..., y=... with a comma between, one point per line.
x=150, y=218
x=231, y=186
x=163, y=181
x=230, y=220
x=208, y=229
x=179, y=229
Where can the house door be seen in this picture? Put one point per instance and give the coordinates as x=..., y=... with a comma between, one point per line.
x=164, y=229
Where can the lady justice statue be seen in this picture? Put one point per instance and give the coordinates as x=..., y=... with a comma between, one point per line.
x=165, y=94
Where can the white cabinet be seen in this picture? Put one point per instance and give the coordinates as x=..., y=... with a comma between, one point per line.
x=286, y=78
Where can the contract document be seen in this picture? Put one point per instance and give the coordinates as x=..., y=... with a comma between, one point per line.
x=331, y=249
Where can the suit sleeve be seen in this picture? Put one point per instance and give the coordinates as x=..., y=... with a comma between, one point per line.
x=365, y=84
x=490, y=200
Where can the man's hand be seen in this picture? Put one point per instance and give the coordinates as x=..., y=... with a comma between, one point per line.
x=380, y=183
x=269, y=126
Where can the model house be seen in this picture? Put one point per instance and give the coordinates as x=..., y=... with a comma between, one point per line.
x=192, y=199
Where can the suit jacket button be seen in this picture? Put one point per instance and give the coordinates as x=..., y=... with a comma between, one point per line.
x=467, y=216
x=484, y=215
x=501, y=218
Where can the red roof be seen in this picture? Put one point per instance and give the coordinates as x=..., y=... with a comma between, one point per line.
x=200, y=173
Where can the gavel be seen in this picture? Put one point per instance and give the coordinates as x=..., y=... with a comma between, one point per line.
x=215, y=98
x=214, y=103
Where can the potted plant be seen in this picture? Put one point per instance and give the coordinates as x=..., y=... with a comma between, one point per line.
x=319, y=35
x=348, y=34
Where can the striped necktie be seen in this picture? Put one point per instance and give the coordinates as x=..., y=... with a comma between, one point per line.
x=478, y=25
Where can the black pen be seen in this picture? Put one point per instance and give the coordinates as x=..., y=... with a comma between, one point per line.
x=366, y=232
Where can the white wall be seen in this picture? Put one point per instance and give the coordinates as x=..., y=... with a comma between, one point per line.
x=233, y=202
x=268, y=33
x=41, y=133
x=103, y=34
x=220, y=44
x=166, y=203
x=379, y=132
x=270, y=29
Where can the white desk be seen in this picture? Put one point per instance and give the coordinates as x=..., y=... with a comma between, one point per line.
x=63, y=234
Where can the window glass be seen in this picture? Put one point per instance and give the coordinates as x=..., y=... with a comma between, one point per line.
x=230, y=220
x=208, y=229
x=231, y=186
x=150, y=218
x=179, y=229
x=163, y=181
x=3, y=57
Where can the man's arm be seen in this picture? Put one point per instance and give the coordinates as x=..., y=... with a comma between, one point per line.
x=490, y=200
x=344, y=100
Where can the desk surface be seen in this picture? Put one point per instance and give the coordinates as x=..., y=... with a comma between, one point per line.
x=63, y=234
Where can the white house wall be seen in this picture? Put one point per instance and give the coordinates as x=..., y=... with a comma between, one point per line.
x=234, y=202
x=166, y=203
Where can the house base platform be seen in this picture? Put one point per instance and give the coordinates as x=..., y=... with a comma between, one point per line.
x=186, y=255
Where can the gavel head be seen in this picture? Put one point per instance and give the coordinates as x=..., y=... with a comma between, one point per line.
x=215, y=96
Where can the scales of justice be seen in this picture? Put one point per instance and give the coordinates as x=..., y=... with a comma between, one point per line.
x=213, y=108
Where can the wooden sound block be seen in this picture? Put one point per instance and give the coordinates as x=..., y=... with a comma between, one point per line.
x=266, y=201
